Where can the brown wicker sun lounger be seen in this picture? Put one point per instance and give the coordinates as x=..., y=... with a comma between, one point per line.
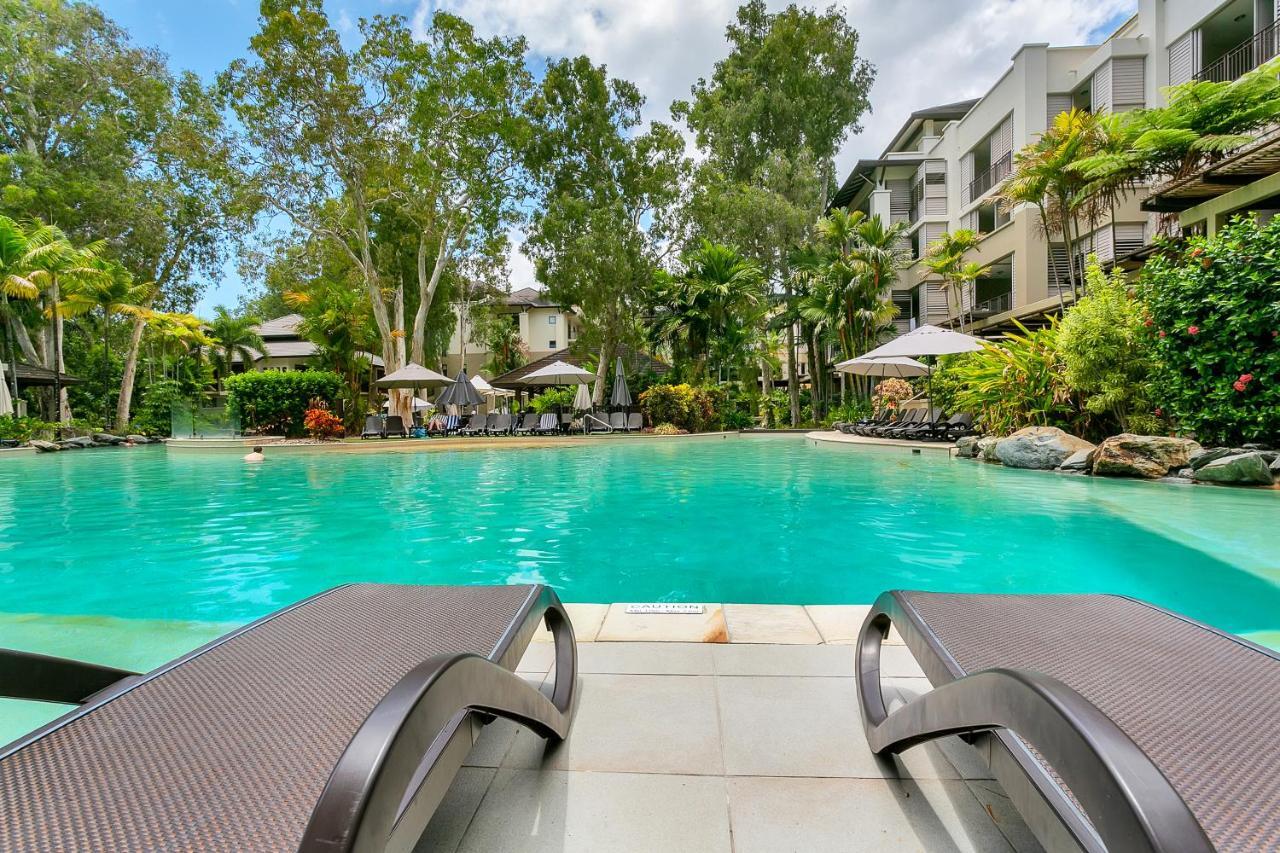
x=1112, y=724
x=333, y=725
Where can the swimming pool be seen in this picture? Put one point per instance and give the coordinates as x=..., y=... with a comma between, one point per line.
x=131, y=557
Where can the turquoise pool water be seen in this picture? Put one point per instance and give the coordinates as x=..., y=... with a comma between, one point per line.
x=131, y=557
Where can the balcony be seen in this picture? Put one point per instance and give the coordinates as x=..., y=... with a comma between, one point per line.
x=995, y=305
x=999, y=170
x=1244, y=57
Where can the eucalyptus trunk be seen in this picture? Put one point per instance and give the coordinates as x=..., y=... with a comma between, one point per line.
x=124, y=401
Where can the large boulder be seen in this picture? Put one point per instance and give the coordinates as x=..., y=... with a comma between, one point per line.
x=1241, y=469
x=1275, y=468
x=138, y=439
x=79, y=441
x=44, y=446
x=1205, y=455
x=1081, y=460
x=1038, y=447
x=967, y=446
x=107, y=438
x=1149, y=456
x=985, y=449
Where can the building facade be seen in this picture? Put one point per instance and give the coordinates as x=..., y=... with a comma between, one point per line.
x=544, y=327
x=943, y=169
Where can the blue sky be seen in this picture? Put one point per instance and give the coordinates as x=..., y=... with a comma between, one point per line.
x=927, y=51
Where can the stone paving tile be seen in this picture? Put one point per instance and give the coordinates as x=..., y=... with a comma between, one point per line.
x=493, y=741
x=585, y=618
x=633, y=723
x=770, y=623
x=996, y=803
x=705, y=627
x=898, y=662
x=538, y=658
x=809, y=727
x=747, y=659
x=455, y=812
x=841, y=623
x=804, y=815
x=646, y=658
x=573, y=812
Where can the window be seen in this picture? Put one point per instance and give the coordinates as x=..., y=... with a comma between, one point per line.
x=551, y=344
x=551, y=320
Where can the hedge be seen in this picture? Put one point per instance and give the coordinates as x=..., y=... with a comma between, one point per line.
x=276, y=403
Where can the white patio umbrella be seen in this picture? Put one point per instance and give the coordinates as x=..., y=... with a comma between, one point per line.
x=897, y=366
x=926, y=340
x=413, y=376
x=558, y=373
x=491, y=394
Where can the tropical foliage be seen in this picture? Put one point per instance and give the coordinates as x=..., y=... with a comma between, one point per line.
x=1214, y=331
x=277, y=403
x=695, y=409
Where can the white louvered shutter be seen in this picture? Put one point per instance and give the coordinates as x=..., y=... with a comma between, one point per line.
x=899, y=200
x=1101, y=93
x=966, y=178
x=1128, y=83
x=1184, y=58
x=1057, y=103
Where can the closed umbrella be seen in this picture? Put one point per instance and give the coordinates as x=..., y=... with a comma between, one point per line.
x=6, y=399
x=460, y=393
x=582, y=399
x=621, y=394
x=927, y=340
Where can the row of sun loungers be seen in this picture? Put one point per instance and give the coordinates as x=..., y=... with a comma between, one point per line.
x=501, y=423
x=915, y=424
x=338, y=723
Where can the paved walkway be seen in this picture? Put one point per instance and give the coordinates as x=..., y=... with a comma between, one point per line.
x=715, y=746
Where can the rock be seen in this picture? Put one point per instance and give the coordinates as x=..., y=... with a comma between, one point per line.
x=1275, y=468
x=1255, y=445
x=138, y=439
x=1081, y=460
x=1203, y=457
x=80, y=441
x=1242, y=469
x=44, y=446
x=1175, y=480
x=985, y=449
x=107, y=438
x=1150, y=456
x=1184, y=473
x=1038, y=447
x=1269, y=456
x=967, y=446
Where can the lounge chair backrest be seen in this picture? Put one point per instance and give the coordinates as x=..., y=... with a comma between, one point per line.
x=566, y=418
x=549, y=421
x=490, y=421
x=501, y=422
x=373, y=425
x=618, y=420
x=635, y=421
x=530, y=421
x=395, y=425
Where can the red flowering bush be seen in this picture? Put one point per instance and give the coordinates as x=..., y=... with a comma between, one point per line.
x=1222, y=379
x=321, y=423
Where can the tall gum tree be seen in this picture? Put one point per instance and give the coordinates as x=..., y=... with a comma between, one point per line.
x=606, y=197
x=791, y=89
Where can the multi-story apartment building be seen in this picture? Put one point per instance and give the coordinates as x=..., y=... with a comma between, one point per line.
x=941, y=172
x=544, y=327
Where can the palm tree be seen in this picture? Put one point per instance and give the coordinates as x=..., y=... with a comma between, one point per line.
x=53, y=261
x=110, y=293
x=702, y=307
x=945, y=259
x=234, y=336
x=337, y=320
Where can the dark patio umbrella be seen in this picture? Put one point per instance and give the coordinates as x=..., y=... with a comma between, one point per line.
x=621, y=396
x=460, y=393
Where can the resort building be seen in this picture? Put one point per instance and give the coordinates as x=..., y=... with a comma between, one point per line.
x=286, y=349
x=544, y=326
x=942, y=170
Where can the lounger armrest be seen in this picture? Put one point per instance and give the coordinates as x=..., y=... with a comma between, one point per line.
x=383, y=790
x=41, y=678
x=1126, y=798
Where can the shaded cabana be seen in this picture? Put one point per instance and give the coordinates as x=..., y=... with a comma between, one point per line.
x=34, y=376
x=636, y=363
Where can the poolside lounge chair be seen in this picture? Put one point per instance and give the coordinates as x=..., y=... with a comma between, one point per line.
x=528, y=425
x=909, y=418
x=334, y=724
x=635, y=422
x=500, y=425
x=957, y=426
x=618, y=420
x=373, y=427
x=395, y=426
x=548, y=424
x=1110, y=722
x=933, y=418
x=477, y=425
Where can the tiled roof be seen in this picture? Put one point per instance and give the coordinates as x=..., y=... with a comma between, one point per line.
x=633, y=360
x=280, y=327
x=531, y=297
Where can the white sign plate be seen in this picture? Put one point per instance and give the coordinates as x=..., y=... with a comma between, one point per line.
x=665, y=608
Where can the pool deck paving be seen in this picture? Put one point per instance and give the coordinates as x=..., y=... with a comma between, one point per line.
x=751, y=741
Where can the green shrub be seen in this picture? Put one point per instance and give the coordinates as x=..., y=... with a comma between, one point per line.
x=1214, y=325
x=276, y=403
x=850, y=412
x=684, y=406
x=667, y=429
x=552, y=398
x=24, y=429
x=1107, y=354
x=154, y=414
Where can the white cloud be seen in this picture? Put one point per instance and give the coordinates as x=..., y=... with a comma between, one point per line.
x=926, y=52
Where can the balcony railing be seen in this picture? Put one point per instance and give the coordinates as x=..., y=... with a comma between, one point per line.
x=1244, y=57
x=999, y=170
x=994, y=305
